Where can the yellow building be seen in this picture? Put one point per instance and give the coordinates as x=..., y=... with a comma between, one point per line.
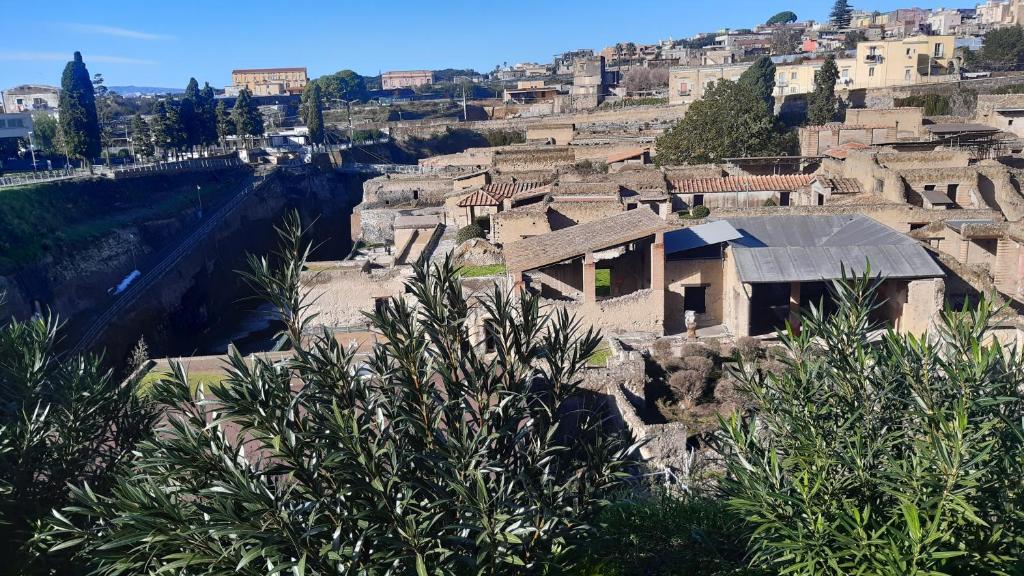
x=270, y=81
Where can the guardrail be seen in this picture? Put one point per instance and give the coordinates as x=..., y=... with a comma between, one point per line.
x=148, y=279
x=119, y=172
x=41, y=176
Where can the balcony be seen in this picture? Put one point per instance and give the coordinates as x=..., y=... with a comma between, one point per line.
x=873, y=58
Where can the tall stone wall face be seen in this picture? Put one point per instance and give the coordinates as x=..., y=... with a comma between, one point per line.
x=533, y=159
x=886, y=97
x=377, y=226
x=400, y=190
x=925, y=299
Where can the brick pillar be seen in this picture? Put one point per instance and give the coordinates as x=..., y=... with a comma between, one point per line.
x=589, y=279
x=794, y=306
x=517, y=282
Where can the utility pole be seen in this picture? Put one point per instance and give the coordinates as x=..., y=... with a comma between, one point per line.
x=32, y=149
x=465, y=115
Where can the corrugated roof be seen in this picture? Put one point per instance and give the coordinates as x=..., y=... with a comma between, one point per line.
x=700, y=235
x=510, y=189
x=812, y=248
x=741, y=184
x=568, y=243
x=478, y=198
x=958, y=128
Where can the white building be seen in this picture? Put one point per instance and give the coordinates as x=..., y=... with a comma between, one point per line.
x=30, y=97
x=945, y=22
x=15, y=125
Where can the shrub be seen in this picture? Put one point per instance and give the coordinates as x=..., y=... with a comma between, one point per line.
x=504, y=137
x=896, y=457
x=469, y=232
x=694, y=349
x=339, y=464
x=701, y=211
x=687, y=386
x=700, y=364
x=748, y=347
x=662, y=348
x=671, y=365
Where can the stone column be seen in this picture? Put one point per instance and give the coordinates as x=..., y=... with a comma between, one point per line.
x=794, y=306
x=589, y=279
x=658, y=274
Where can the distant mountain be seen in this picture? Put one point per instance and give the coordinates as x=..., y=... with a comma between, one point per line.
x=143, y=90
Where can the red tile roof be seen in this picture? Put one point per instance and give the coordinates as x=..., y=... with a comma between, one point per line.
x=740, y=184
x=479, y=198
x=510, y=189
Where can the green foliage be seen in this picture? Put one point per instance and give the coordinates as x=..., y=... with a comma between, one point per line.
x=313, y=113
x=1003, y=50
x=701, y=211
x=44, y=134
x=731, y=120
x=667, y=535
x=225, y=125
x=786, y=40
x=1010, y=89
x=588, y=166
x=823, y=105
x=841, y=14
x=481, y=270
x=933, y=104
x=760, y=78
x=784, y=17
x=246, y=116
x=470, y=232
x=61, y=422
x=852, y=38
x=894, y=456
x=342, y=85
x=500, y=137
x=424, y=458
x=79, y=124
x=142, y=138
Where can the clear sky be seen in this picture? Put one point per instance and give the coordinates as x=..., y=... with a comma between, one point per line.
x=163, y=43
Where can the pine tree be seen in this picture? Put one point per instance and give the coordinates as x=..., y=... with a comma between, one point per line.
x=248, y=122
x=79, y=125
x=822, y=106
x=313, y=115
x=142, y=138
x=760, y=77
x=841, y=14
x=225, y=124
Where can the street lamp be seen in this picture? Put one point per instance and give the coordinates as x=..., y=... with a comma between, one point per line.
x=199, y=195
x=32, y=150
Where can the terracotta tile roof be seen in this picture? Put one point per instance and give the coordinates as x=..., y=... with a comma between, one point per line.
x=478, y=198
x=741, y=184
x=625, y=155
x=844, y=185
x=509, y=189
x=568, y=243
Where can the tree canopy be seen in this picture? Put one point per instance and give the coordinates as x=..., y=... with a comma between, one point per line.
x=760, y=78
x=841, y=14
x=822, y=104
x=79, y=124
x=428, y=459
x=894, y=456
x=342, y=85
x=142, y=137
x=246, y=116
x=1003, y=50
x=784, y=17
x=313, y=113
x=731, y=120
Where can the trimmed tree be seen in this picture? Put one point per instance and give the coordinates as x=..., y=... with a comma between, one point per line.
x=425, y=457
x=760, y=78
x=822, y=104
x=898, y=455
x=731, y=120
x=79, y=125
x=841, y=14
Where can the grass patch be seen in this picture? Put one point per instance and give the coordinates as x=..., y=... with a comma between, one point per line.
x=480, y=271
x=599, y=359
x=208, y=379
x=603, y=282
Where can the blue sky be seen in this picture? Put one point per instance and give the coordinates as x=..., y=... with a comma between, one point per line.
x=158, y=43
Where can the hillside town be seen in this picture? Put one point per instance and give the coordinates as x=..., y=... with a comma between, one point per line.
x=739, y=214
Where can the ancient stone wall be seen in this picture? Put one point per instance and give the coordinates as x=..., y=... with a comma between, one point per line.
x=513, y=225
x=531, y=159
x=340, y=296
x=392, y=189
x=682, y=273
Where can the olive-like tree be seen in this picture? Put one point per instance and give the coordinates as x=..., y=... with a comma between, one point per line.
x=898, y=455
x=422, y=457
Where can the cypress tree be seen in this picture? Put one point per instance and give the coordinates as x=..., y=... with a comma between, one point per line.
x=142, y=139
x=79, y=124
x=207, y=114
x=760, y=78
x=177, y=136
x=822, y=106
x=225, y=124
x=841, y=14
x=314, y=115
x=189, y=113
x=248, y=122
